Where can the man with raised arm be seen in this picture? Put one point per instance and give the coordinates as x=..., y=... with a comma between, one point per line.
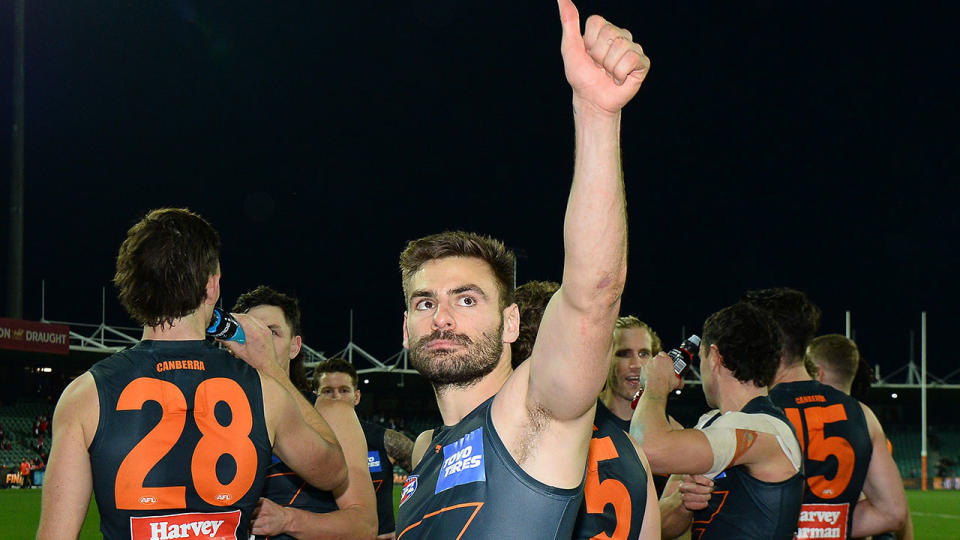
x=174, y=435
x=289, y=507
x=844, y=448
x=619, y=496
x=509, y=460
x=746, y=446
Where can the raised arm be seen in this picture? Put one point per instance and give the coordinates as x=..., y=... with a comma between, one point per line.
x=69, y=478
x=885, y=508
x=571, y=354
x=357, y=513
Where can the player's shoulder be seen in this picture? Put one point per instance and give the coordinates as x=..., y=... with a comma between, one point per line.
x=420, y=446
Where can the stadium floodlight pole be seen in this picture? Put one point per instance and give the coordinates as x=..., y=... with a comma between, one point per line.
x=923, y=400
x=15, y=261
x=848, y=324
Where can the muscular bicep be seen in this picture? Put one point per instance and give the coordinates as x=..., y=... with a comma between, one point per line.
x=298, y=445
x=679, y=451
x=69, y=478
x=399, y=448
x=571, y=356
x=358, y=492
x=883, y=485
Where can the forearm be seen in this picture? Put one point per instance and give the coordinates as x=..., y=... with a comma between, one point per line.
x=674, y=518
x=346, y=523
x=595, y=227
x=650, y=428
x=870, y=519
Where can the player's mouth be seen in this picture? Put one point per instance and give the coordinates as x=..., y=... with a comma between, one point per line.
x=633, y=380
x=443, y=344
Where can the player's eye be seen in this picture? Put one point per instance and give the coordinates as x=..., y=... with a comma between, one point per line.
x=467, y=301
x=622, y=353
x=424, y=304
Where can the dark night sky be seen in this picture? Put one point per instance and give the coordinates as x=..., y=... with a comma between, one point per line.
x=813, y=145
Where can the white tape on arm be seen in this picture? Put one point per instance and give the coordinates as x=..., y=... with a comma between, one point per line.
x=722, y=435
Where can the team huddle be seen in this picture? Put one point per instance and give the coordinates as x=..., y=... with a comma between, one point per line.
x=543, y=433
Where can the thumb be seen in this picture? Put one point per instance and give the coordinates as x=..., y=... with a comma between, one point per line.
x=570, y=22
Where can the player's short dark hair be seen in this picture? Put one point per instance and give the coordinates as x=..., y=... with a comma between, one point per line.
x=838, y=353
x=748, y=341
x=164, y=264
x=863, y=380
x=460, y=244
x=531, y=298
x=266, y=296
x=796, y=316
x=630, y=321
x=335, y=365
x=290, y=306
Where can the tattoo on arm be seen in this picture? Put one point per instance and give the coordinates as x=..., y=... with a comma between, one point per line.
x=745, y=439
x=399, y=448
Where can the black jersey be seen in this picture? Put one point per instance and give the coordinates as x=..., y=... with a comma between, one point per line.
x=181, y=446
x=836, y=454
x=615, y=493
x=285, y=488
x=745, y=508
x=381, y=472
x=468, y=486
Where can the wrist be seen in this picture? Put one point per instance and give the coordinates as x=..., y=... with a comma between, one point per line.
x=584, y=110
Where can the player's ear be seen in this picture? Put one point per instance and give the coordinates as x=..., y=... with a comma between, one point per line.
x=406, y=338
x=511, y=323
x=356, y=397
x=295, y=346
x=715, y=358
x=212, y=290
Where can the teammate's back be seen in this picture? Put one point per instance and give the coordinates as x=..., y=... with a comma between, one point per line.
x=836, y=447
x=175, y=428
x=177, y=402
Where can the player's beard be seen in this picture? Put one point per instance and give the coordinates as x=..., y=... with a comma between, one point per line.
x=462, y=367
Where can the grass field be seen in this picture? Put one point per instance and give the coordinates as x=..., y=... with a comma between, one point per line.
x=936, y=514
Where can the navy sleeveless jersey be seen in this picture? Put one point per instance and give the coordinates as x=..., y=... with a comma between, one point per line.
x=381, y=472
x=285, y=488
x=745, y=508
x=182, y=446
x=468, y=486
x=615, y=511
x=836, y=454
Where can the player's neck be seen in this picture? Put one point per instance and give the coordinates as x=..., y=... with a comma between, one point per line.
x=738, y=394
x=617, y=405
x=792, y=373
x=457, y=402
x=189, y=327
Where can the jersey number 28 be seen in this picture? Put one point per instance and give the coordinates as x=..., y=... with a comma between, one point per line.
x=217, y=440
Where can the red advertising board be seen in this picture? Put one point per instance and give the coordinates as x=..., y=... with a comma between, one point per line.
x=34, y=336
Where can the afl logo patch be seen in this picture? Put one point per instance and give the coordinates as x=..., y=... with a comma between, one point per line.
x=408, y=488
x=148, y=500
x=223, y=497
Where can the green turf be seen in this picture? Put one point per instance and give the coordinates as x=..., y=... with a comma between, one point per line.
x=936, y=514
